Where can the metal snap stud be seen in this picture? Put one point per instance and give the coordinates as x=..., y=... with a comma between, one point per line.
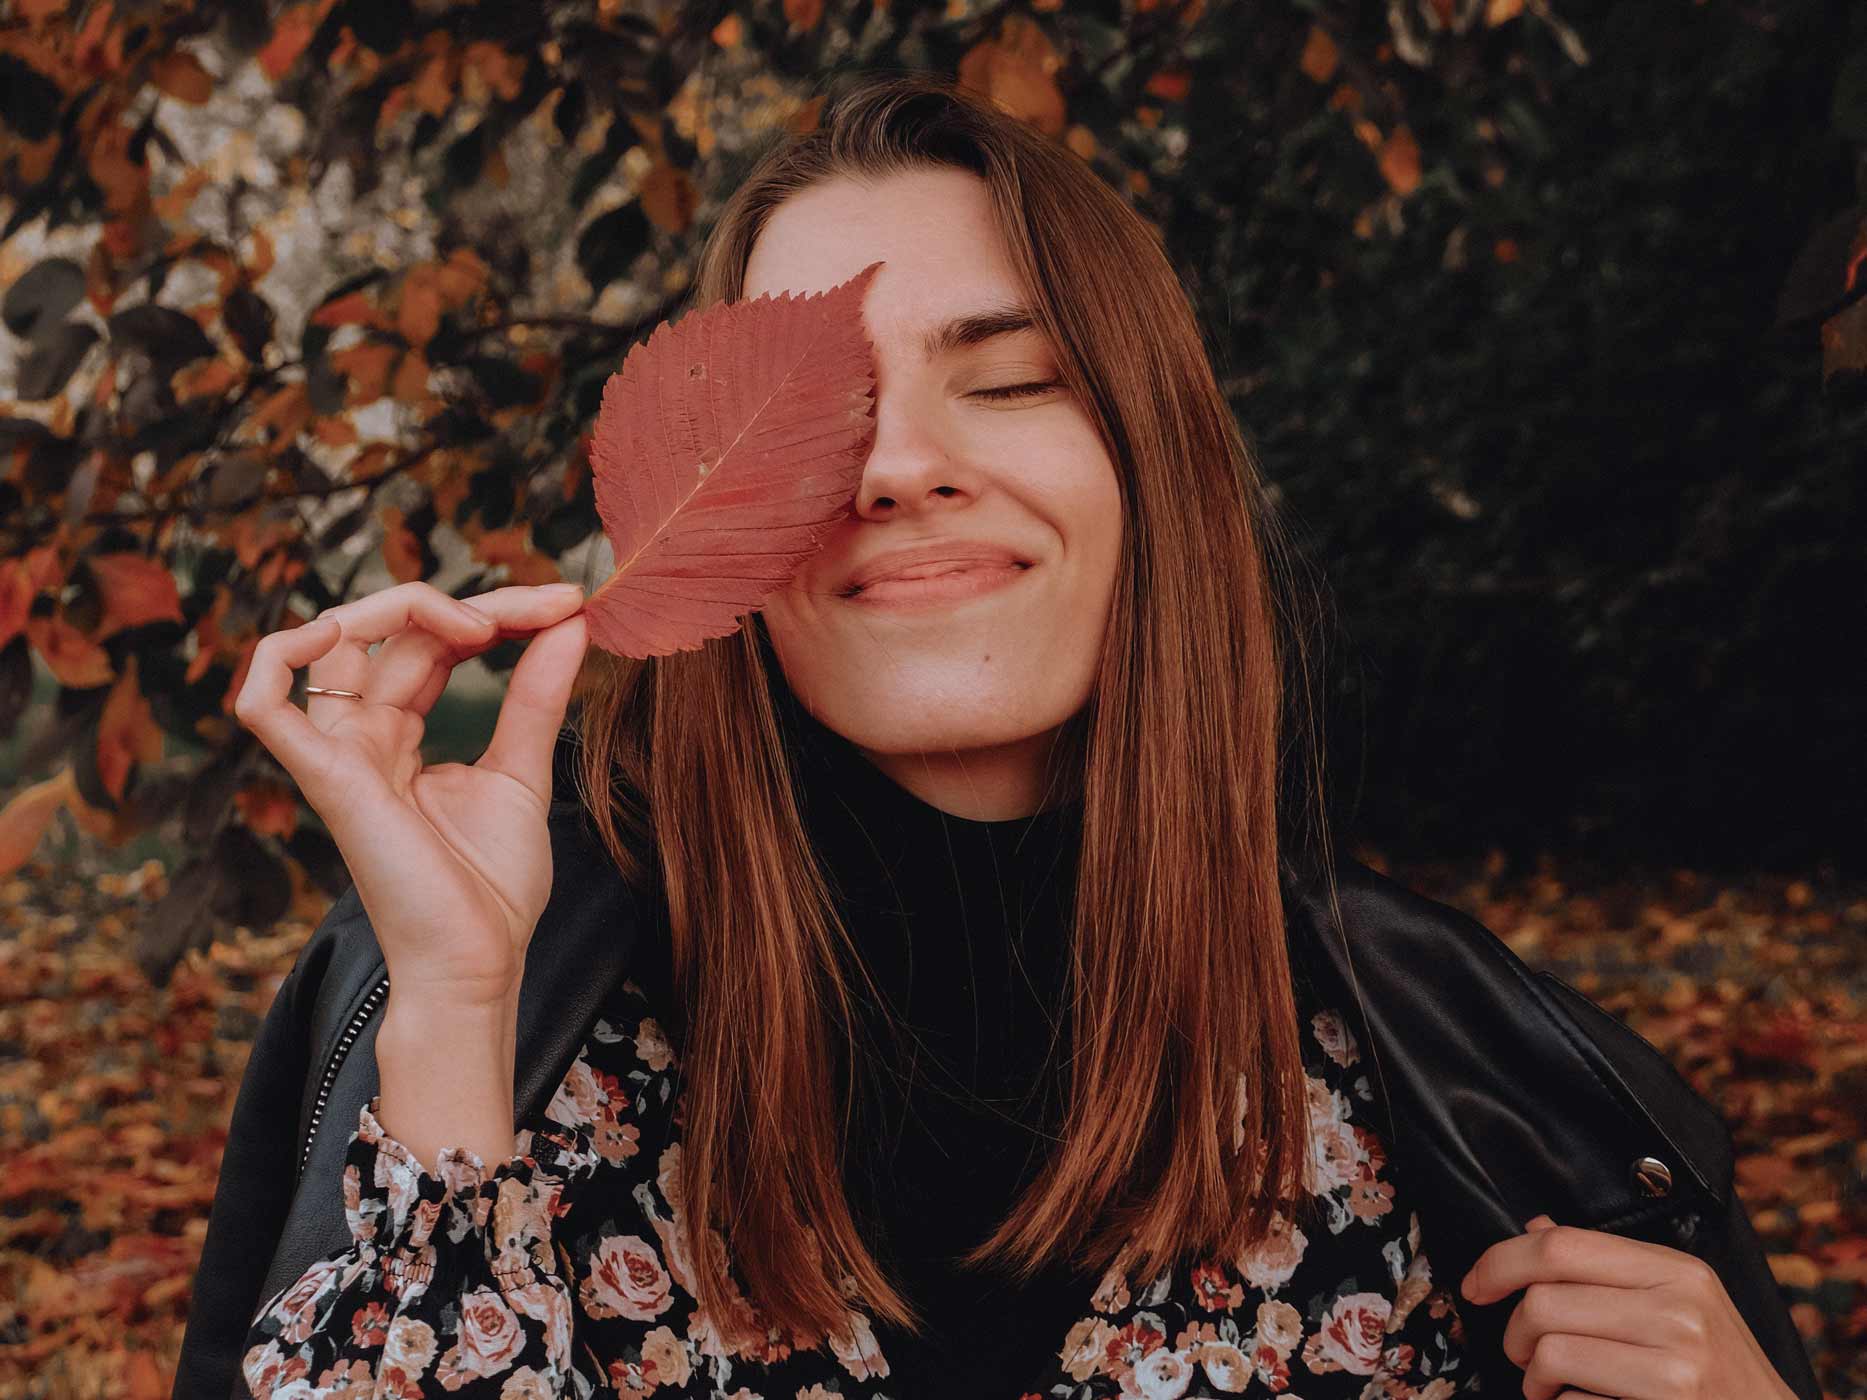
x=1652, y=1176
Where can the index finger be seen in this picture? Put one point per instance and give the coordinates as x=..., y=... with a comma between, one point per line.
x=377, y=616
x=1567, y=1254
x=264, y=703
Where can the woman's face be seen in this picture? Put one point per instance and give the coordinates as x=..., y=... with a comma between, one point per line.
x=955, y=689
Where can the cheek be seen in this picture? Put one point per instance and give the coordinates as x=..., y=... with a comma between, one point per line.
x=804, y=646
x=1092, y=516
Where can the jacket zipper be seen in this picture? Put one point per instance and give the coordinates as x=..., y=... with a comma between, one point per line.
x=344, y=1042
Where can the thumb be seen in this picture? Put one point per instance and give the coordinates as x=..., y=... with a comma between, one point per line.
x=537, y=696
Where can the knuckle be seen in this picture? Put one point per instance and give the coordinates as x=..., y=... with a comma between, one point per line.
x=1536, y=1305
x=1515, y=1347
x=1703, y=1278
x=1681, y=1375
x=1548, y=1356
x=1689, y=1326
x=1561, y=1247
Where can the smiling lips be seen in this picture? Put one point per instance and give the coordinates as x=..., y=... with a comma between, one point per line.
x=929, y=559
x=933, y=572
x=936, y=583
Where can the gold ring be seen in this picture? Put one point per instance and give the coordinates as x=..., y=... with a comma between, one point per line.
x=326, y=690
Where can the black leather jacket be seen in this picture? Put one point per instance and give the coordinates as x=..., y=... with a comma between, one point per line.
x=1509, y=1093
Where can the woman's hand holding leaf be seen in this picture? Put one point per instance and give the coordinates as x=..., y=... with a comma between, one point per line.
x=452, y=861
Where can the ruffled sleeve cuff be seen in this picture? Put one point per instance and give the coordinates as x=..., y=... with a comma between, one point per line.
x=410, y=1214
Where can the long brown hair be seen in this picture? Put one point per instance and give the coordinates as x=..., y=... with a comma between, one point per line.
x=1185, y=1124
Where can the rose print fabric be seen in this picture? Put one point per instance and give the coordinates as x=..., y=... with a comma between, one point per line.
x=566, y=1271
x=1340, y=1302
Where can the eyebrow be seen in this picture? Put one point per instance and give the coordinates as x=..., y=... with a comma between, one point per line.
x=975, y=328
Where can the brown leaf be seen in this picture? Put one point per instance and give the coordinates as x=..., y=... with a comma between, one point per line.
x=1017, y=71
x=368, y=366
x=74, y=658
x=124, y=181
x=1796, y=1271
x=23, y=820
x=669, y=197
x=290, y=36
x=268, y=808
x=1320, y=55
x=1400, y=160
x=127, y=733
x=512, y=547
x=334, y=432
x=137, y=590
x=16, y=593
x=727, y=447
x=1170, y=84
x=205, y=379
x=353, y=308
x=401, y=551
x=501, y=71
x=410, y=384
x=418, y=314
x=287, y=411
x=181, y=76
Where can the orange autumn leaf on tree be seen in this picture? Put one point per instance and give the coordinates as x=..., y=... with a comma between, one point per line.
x=512, y=547
x=74, y=658
x=1017, y=70
x=367, y=365
x=205, y=379
x=181, y=76
x=727, y=447
x=23, y=820
x=137, y=590
x=353, y=308
x=290, y=37
x=1400, y=160
x=418, y=315
x=271, y=809
x=127, y=733
x=16, y=593
x=1320, y=56
x=669, y=197
x=401, y=551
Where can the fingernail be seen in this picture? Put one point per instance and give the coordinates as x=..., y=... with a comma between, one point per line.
x=566, y=588
x=477, y=614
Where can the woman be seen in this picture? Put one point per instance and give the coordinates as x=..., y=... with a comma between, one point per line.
x=974, y=1059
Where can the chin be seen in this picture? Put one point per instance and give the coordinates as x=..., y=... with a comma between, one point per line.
x=914, y=726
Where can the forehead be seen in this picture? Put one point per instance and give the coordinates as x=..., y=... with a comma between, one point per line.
x=931, y=228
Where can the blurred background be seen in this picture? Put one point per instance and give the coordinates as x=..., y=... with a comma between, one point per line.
x=1546, y=318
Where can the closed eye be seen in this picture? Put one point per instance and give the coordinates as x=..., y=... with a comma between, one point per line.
x=1016, y=391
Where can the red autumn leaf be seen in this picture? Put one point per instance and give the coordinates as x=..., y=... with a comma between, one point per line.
x=136, y=589
x=727, y=447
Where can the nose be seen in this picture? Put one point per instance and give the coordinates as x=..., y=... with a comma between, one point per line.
x=910, y=467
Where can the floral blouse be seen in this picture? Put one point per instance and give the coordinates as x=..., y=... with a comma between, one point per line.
x=566, y=1271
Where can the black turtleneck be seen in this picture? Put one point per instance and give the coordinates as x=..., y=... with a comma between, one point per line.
x=964, y=927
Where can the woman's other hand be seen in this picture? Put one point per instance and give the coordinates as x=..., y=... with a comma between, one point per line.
x=1603, y=1315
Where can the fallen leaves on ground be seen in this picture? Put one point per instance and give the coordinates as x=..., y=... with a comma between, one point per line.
x=115, y=1094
